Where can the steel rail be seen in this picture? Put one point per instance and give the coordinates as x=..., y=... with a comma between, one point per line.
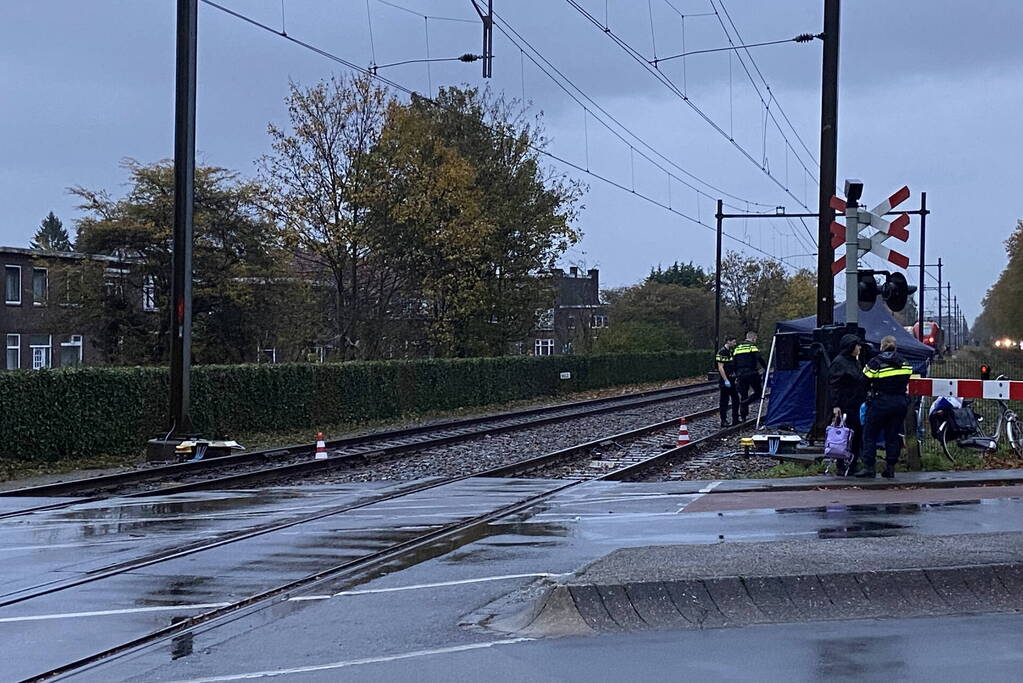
x=255, y=601
x=455, y=431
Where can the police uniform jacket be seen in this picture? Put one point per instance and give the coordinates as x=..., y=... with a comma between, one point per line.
x=746, y=357
x=888, y=374
x=724, y=356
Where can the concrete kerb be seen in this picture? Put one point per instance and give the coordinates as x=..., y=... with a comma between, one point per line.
x=959, y=479
x=691, y=587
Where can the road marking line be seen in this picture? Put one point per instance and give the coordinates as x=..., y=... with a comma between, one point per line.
x=108, y=612
x=700, y=494
x=439, y=584
x=710, y=487
x=355, y=662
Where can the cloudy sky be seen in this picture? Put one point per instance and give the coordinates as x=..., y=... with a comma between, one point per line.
x=930, y=97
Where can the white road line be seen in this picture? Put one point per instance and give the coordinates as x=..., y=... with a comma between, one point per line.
x=710, y=487
x=109, y=612
x=700, y=494
x=439, y=584
x=354, y=662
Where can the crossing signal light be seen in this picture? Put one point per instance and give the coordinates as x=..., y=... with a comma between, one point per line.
x=985, y=372
x=895, y=291
x=866, y=293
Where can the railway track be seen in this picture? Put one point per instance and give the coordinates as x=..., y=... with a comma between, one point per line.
x=368, y=555
x=295, y=461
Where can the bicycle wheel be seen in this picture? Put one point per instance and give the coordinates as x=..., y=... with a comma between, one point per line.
x=1014, y=435
x=958, y=449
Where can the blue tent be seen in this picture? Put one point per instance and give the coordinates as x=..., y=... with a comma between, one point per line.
x=792, y=391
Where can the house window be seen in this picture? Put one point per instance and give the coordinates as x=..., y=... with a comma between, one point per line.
x=12, y=284
x=545, y=319
x=571, y=322
x=598, y=321
x=40, y=345
x=71, y=351
x=149, y=294
x=13, y=351
x=543, y=347
x=267, y=356
x=40, y=286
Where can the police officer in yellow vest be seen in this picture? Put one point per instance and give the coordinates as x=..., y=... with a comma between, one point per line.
x=748, y=361
x=887, y=400
x=727, y=382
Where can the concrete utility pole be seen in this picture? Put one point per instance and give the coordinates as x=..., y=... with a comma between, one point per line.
x=948, y=304
x=184, y=179
x=940, y=324
x=829, y=164
x=923, y=262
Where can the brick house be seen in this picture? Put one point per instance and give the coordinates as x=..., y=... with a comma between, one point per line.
x=33, y=285
x=573, y=324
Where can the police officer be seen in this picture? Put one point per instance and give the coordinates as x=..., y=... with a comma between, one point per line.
x=887, y=400
x=726, y=381
x=748, y=361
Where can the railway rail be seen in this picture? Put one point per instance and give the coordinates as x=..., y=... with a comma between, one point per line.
x=624, y=469
x=274, y=463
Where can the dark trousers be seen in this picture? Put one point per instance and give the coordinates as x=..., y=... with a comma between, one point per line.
x=729, y=395
x=885, y=415
x=746, y=383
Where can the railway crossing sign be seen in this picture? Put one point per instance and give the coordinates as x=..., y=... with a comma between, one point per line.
x=875, y=219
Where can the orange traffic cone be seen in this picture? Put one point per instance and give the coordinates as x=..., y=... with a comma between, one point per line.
x=321, y=448
x=683, y=434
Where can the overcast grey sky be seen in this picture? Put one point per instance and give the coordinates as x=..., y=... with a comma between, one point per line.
x=930, y=97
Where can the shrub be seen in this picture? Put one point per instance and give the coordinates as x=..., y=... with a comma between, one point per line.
x=89, y=411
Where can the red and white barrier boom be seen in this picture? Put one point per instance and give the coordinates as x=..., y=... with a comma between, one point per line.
x=1007, y=390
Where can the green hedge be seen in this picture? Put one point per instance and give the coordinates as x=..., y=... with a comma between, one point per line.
x=81, y=412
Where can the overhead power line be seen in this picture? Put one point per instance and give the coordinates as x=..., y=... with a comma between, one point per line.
x=564, y=82
x=767, y=85
x=408, y=91
x=801, y=38
x=667, y=82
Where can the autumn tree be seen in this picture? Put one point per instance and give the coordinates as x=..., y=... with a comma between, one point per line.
x=525, y=211
x=1002, y=313
x=656, y=316
x=51, y=235
x=751, y=288
x=237, y=263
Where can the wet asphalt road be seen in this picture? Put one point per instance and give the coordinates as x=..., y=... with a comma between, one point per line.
x=402, y=622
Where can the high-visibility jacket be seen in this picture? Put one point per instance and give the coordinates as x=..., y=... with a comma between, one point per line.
x=888, y=373
x=724, y=356
x=747, y=359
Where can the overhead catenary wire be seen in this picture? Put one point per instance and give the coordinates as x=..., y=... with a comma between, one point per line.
x=567, y=85
x=765, y=101
x=408, y=91
x=667, y=82
x=767, y=85
x=428, y=16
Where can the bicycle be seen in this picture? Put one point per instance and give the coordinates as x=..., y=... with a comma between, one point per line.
x=958, y=439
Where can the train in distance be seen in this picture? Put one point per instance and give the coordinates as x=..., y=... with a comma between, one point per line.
x=933, y=335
